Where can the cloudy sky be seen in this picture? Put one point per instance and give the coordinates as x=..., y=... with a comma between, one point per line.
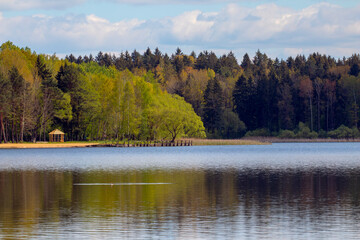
x=280, y=28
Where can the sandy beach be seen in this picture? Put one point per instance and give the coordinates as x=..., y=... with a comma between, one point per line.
x=45, y=145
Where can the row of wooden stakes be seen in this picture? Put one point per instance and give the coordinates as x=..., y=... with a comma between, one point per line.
x=150, y=144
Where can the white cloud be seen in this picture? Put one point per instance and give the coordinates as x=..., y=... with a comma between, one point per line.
x=37, y=4
x=148, y=2
x=277, y=30
x=19, y=5
x=353, y=27
x=167, y=2
x=192, y=25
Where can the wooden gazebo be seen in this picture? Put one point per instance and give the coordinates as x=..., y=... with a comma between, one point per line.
x=56, y=136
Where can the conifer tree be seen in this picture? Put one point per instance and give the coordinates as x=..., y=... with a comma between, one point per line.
x=244, y=96
x=213, y=105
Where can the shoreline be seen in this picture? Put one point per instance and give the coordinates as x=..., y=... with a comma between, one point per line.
x=194, y=142
x=45, y=145
x=219, y=142
x=302, y=140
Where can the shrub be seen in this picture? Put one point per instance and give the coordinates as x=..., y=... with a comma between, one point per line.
x=261, y=132
x=323, y=134
x=304, y=132
x=232, y=126
x=344, y=132
x=287, y=134
x=356, y=132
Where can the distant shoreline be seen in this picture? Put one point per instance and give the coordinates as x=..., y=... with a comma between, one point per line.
x=301, y=140
x=45, y=145
x=195, y=142
x=211, y=142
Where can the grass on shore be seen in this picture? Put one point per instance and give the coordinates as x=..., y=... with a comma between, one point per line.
x=209, y=142
x=301, y=140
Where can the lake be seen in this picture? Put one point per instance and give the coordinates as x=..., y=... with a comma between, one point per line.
x=278, y=191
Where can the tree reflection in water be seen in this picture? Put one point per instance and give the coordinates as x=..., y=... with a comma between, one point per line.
x=198, y=203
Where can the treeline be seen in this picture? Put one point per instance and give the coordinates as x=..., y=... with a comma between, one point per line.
x=205, y=81
x=154, y=96
x=260, y=96
x=88, y=102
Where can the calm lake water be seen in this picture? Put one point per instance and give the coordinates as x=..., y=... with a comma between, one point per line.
x=279, y=191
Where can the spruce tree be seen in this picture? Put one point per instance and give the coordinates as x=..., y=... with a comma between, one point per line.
x=213, y=106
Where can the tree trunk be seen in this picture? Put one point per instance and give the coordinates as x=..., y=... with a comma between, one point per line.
x=355, y=110
x=332, y=120
x=327, y=115
x=23, y=119
x=42, y=131
x=22, y=128
x=318, y=113
x=311, y=114
x=2, y=127
x=128, y=119
x=44, y=126
x=13, y=131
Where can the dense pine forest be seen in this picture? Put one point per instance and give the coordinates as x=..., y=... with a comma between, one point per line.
x=152, y=95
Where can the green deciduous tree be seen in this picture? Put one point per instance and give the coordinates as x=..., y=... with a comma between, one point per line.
x=173, y=118
x=84, y=100
x=130, y=120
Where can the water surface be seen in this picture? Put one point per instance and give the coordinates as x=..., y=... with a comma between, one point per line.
x=286, y=191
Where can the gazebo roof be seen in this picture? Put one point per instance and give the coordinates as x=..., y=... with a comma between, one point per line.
x=57, y=132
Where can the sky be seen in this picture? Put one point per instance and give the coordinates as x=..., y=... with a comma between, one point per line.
x=279, y=28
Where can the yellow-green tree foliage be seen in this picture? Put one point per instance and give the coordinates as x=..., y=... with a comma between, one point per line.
x=135, y=107
x=92, y=101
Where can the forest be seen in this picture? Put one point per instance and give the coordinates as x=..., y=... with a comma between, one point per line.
x=87, y=101
x=154, y=96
